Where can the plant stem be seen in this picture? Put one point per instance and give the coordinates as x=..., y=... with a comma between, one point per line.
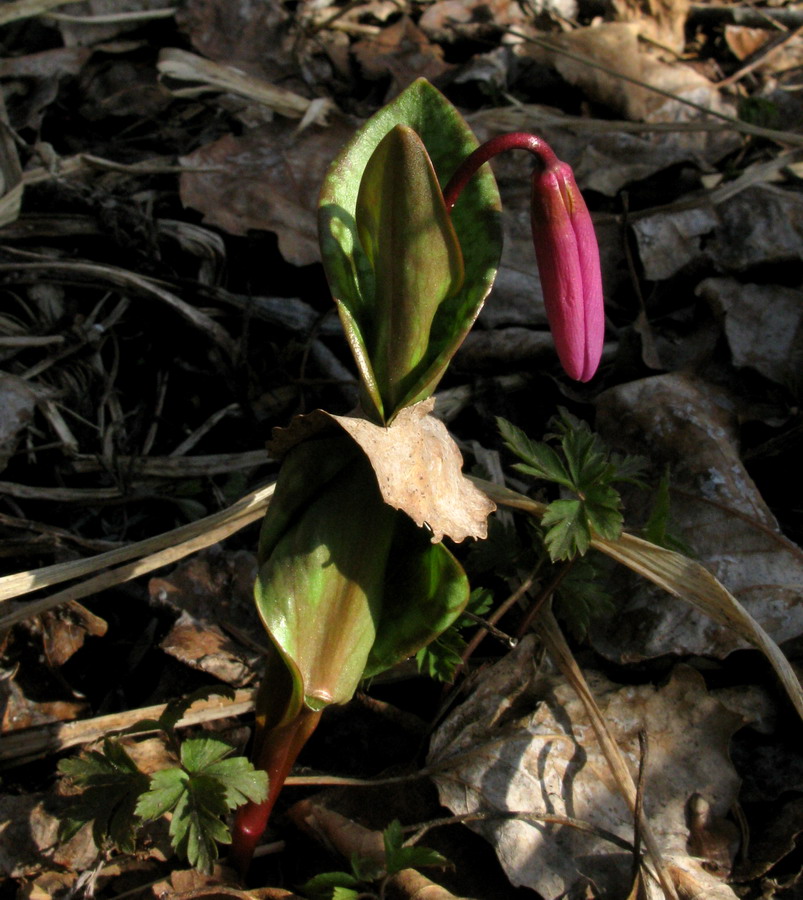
x=278, y=752
x=518, y=140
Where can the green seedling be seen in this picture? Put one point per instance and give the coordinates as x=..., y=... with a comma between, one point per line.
x=365, y=873
x=198, y=793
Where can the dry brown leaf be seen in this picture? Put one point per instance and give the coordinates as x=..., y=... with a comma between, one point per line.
x=761, y=224
x=47, y=886
x=403, y=51
x=417, y=465
x=29, y=826
x=20, y=711
x=64, y=631
x=604, y=155
x=212, y=589
x=250, y=34
x=522, y=742
x=743, y=41
x=268, y=179
x=680, y=421
x=46, y=63
x=620, y=61
x=336, y=831
x=450, y=20
x=663, y=21
x=668, y=241
x=694, y=882
x=222, y=884
x=420, y=471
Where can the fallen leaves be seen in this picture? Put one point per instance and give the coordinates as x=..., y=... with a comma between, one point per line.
x=212, y=591
x=689, y=425
x=522, y=744
x=267, y=179
x=417, y=464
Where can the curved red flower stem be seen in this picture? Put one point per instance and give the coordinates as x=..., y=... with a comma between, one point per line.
x=517, y=140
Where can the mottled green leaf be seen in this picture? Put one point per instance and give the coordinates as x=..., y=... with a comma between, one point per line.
x=320, y=589
x=476, y=220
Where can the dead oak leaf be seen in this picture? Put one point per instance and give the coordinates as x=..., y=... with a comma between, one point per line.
x=522, y=743
x=417, y=464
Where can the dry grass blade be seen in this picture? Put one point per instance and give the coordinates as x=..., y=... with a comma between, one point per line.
x=205, y=75
x=177, y=466
x=688, y=580
x=25, y=9
x=30, y=743
x=10, y=173
x=235, y=517
x=170, y=554
x=683, y=578
x=137, y=16
x=129, y=280
x=562, y=656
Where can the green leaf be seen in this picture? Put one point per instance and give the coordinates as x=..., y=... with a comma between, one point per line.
x=440, y=658
x=112, y=784
x=323, y=886
x=414, y=253
x=567, y=531
x=399, y=857
x=196, y=826
x=241, y=781
x=476, y=221
x=657, y=528
x=200, y=794
x=580, y=598
x=602, y=506
x=344, y=893
x=540, y=459
x=318, y=592
x=199, y=753
x=425, y=591
x=166, y=788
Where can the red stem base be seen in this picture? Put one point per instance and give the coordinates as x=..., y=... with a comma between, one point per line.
x=276, y=756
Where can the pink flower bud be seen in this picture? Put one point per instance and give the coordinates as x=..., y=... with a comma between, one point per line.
x=568, y=263
x=565, y=247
